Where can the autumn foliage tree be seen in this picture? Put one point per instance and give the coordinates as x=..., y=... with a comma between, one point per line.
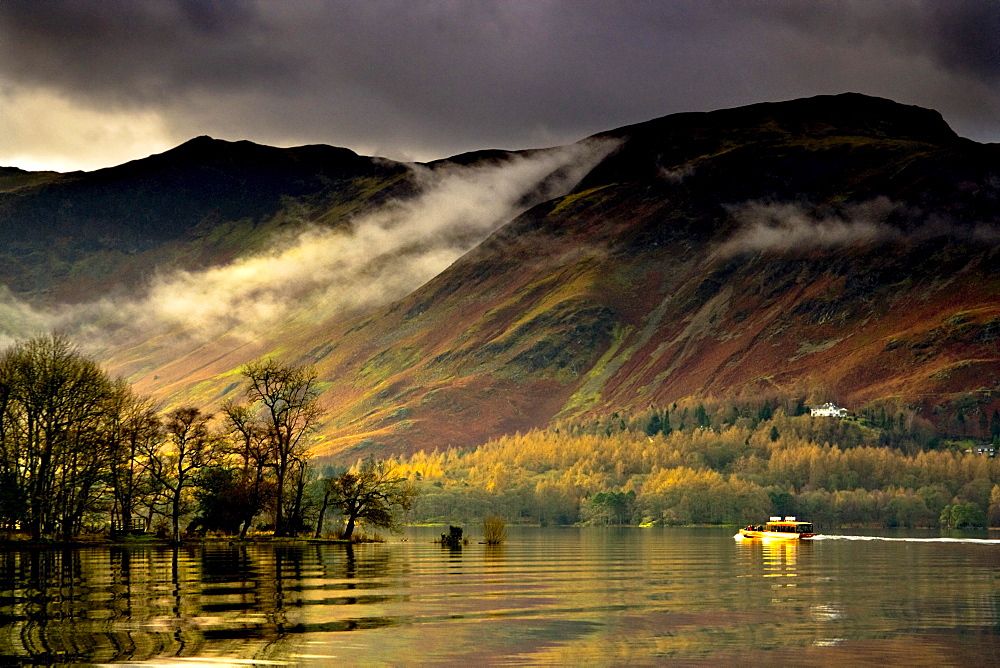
x=373, y=493
x=746, y=464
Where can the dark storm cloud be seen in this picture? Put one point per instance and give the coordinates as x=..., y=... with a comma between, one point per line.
x=141, y=52
x=433, y=78
x=963, y=37
x=966, y=37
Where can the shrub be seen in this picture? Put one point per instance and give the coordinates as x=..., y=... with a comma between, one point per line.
x=494, y=530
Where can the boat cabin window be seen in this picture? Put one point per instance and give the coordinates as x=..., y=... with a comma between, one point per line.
x=782, y=527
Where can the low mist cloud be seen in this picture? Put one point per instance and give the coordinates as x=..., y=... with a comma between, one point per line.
x=788, y=226
x=384, y=255
x=18, y=319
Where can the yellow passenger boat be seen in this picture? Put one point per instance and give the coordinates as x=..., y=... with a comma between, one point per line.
x=780, y=529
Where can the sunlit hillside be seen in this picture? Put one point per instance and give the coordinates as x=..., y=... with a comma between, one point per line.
x=838, y=248
x=721, y=464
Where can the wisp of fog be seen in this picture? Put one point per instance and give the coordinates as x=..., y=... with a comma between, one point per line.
x=787, y=226
x=381, y=256
x=778, y=227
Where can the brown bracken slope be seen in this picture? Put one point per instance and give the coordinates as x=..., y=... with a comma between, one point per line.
x=837, y=248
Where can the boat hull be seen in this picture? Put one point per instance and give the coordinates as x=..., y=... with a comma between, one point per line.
x=775, y=535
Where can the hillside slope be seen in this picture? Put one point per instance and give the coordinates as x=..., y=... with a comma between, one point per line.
x=838, y=248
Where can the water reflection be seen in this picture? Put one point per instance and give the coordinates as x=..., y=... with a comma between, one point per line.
x=114, y=604
x=771, y=558
x=545, y=597
x=780, y=558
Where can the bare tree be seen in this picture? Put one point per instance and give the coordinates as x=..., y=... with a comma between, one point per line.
x=188, y=445
x=325, y=492
x=296, y=481
x=133, y=429
x=55, y=405
x=284, y=399
x=252, y=448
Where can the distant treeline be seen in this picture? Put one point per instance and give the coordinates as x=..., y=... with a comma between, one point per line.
x=724, y=463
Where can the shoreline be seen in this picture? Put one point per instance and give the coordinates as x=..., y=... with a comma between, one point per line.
x=152, y=541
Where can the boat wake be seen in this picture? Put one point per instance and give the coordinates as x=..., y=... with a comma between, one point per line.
x=982, y=541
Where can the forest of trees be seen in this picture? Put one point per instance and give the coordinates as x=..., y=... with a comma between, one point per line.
x=722, y=464
x=81, y=452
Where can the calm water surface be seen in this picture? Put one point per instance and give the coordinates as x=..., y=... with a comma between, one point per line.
x=548, y=596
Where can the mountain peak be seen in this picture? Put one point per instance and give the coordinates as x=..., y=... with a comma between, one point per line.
x=845, y=113
x=206, y=148
x=673, y=142
x=202, y=143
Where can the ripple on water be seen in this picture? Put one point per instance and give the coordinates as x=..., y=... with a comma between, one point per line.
x=547, y=596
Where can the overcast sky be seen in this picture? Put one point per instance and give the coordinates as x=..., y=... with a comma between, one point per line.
x=87, y=83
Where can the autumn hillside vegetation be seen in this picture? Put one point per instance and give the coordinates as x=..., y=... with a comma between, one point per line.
x=729, y=465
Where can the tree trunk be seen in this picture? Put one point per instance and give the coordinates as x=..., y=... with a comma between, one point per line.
x=256, y=498
x=279, y=515
x=38, y=500
x=349, y=529
x=322, y=512
x=175, y=518
x=245, y=527
x=295, y=512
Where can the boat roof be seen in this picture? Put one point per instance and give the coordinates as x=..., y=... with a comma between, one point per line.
x=788, y=522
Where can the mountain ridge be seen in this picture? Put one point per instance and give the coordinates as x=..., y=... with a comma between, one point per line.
x=159, y=210
x=831, y=248
x=612, y=346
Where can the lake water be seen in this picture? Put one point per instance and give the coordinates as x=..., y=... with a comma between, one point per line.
x=548, y=596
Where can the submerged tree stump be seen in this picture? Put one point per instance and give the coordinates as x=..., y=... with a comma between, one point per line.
x=453, y=538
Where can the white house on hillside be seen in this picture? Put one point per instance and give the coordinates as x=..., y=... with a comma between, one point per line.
x=828, y=410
